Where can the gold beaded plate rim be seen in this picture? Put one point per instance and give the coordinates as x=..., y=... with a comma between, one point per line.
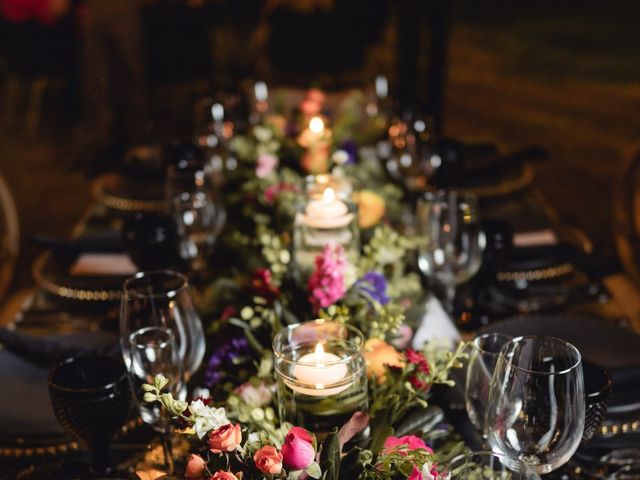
x=72, y=293
x=116, y=202
x=25, y=447
x=537, y=274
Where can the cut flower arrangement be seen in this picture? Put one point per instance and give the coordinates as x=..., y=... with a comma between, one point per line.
x=258, y=290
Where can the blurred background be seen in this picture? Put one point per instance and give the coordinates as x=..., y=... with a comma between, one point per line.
x=82, y=82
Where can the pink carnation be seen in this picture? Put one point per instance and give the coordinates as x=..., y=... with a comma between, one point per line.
x=410, y=441
x=326, y=284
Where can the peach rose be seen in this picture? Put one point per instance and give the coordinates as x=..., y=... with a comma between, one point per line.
x=268, y=460
x=224, y=475
x=195, y=466
x=377, y=354
x=371, y=208
x=226, y=438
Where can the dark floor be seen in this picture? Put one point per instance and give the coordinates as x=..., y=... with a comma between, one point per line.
x=518, y=75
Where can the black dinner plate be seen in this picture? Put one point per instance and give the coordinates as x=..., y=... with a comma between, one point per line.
x=602, y=343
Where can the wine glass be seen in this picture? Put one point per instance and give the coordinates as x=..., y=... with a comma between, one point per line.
x=485, y=465
x=482, y=362
x=199, y=215
x=162, y=298
x=91, y=399
x=536, y=410
x=454, y=241
x=153, y=352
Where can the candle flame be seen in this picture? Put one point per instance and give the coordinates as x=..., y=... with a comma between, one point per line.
x=316, y=125
x=319, y=353
x=328, y=195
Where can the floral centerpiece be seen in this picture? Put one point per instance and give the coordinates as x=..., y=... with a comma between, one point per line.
x=258, y=291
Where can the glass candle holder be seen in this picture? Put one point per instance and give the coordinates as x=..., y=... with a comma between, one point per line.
x=321, y=375
x=315, y=186
x=324, y=219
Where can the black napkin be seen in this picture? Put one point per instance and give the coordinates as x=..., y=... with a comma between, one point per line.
x=46, y=351
x=107, y=241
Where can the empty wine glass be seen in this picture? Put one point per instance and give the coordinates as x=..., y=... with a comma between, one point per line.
x=454, y=241
x=198, y=213
x=485, y=350
x=153, y=352
x=91, y=400
x=162, y=298
x=536, y=403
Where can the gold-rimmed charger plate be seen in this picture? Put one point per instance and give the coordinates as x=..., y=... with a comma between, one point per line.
x=51, y=273
x=125, y=194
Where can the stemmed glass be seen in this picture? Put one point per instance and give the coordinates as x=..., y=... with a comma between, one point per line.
x=485, y=465
x=91, y=400
x=454, y=241
x=536, y=405
x=162, y=298
x=154, y=351
x=485, y=351
x=199, y=215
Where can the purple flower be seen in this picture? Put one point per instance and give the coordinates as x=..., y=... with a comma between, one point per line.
x=351, y=148
x=222, y=359
x=374, y=285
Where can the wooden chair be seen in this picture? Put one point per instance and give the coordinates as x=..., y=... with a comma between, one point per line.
x=9, y=238
x=626, y=218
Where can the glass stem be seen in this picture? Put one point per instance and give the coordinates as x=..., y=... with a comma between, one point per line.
x=450, y=295
x=168, y=453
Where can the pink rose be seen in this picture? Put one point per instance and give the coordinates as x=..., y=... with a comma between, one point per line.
x=223, y=475
x=310, y=107
x=226, y=438
x=268, y=460
x=195, y=467
x=412, y=442
x=298, y=452
x=266, y=164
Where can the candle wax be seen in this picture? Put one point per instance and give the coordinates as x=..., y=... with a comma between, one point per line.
x=317, y=373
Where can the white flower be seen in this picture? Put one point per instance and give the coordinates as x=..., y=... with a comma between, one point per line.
x=262, y=134
x=206, y=418
x=254, y=396
x=426, y=473
x=254, y=437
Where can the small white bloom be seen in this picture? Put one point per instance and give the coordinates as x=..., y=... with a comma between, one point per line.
x=254, y=437
x=262, y=134
x=206, y=418
x=340, y=157
x=254, y=396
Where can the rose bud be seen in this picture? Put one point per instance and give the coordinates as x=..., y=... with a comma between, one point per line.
x=268, y=460
x=298, y=452
x=223, y=475
x=226, y=438
x=195, y=467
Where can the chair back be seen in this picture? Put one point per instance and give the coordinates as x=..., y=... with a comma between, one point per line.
x=9, y=237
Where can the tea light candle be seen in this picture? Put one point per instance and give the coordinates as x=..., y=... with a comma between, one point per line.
x=312, y=369
x=328, y=212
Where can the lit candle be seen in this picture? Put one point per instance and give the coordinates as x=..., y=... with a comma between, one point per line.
x=319, y=370
x=329, y=212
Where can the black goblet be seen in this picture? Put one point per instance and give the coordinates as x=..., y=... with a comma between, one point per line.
x=152, y=241
x=91, y=400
